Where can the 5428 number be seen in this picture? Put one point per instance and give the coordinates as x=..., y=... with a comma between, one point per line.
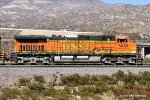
x=123, y=45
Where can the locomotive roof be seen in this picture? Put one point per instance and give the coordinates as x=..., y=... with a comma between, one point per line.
x=50, y=33
x=122, y=36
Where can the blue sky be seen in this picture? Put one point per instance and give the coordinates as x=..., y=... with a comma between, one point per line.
x=128, y=1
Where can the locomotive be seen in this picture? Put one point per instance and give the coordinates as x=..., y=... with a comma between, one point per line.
x=78, y=48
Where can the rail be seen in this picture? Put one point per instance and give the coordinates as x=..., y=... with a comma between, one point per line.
x=72, y=65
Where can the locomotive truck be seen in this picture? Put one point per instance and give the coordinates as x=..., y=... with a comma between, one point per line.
x=80, y=48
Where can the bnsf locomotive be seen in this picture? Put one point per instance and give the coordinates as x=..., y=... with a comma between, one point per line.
x=42, y=49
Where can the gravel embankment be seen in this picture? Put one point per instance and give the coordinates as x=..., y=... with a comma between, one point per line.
x=9, y=75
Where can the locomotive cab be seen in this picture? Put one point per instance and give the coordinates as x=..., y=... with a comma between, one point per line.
x=128, y=49
x=124, y=44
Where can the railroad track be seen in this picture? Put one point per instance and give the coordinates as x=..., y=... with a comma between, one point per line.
x=73, y=65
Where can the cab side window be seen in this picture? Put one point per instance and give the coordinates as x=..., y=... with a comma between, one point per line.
x=122, y=40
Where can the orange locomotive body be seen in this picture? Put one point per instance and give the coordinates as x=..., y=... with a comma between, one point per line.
x=82, y=48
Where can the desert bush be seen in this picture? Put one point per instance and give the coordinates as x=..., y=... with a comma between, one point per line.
x=120, y=75
x=147, y=85
x=145, y=77
x=93, y=79
x=10, y=93
x=39, y=79
x=75, y=80
x=37, y=87
x=101, y=87
x=129, y=85
x=62, y=95
x=129, y=81
x=106, y=79
x=27, y=92
x=72, y=80
x=115, y=89
x=146, y=61
x=68, y=89
x=24, y=81
x=30, y=94
x=84, y=80
x=23, y=97
x=2, y=97
x=50, y=91
x=87, y=90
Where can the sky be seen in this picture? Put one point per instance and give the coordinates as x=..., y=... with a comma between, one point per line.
x=142, y=2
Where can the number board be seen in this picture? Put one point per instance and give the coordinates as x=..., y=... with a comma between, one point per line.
x=123, y=45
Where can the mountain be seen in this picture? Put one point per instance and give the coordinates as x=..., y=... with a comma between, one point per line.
x=76, y=15
x=50, y=1
x=5, y=1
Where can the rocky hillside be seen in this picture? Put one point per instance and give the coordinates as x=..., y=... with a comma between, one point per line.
x=76, y=15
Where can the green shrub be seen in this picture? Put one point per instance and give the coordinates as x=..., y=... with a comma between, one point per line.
x=129, y=85
x=130, y=77
x=93, y=79
x=115, y=89
x=146, y=76
x=106, y=79
x=30, y=94
x=72, y=80
x=50, y=84
x=23, y=97
x=27, y=92
x=101, y=87
x=68, y=89
x=77, y=80
x=35, y=96
x=39, y=79
x=24, y=81
x=37, y=87
x=62, y=95
x=130, y=80
x=10, y=93
x=84, y=80
x=87, y=90
x=120, y=75
x=50, y=91
x=148, y=85
x=146, y=61
x=2, y=97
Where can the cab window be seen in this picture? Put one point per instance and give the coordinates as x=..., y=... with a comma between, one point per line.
x=122, y=40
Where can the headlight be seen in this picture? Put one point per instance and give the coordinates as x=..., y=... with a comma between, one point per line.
x=134, y=51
